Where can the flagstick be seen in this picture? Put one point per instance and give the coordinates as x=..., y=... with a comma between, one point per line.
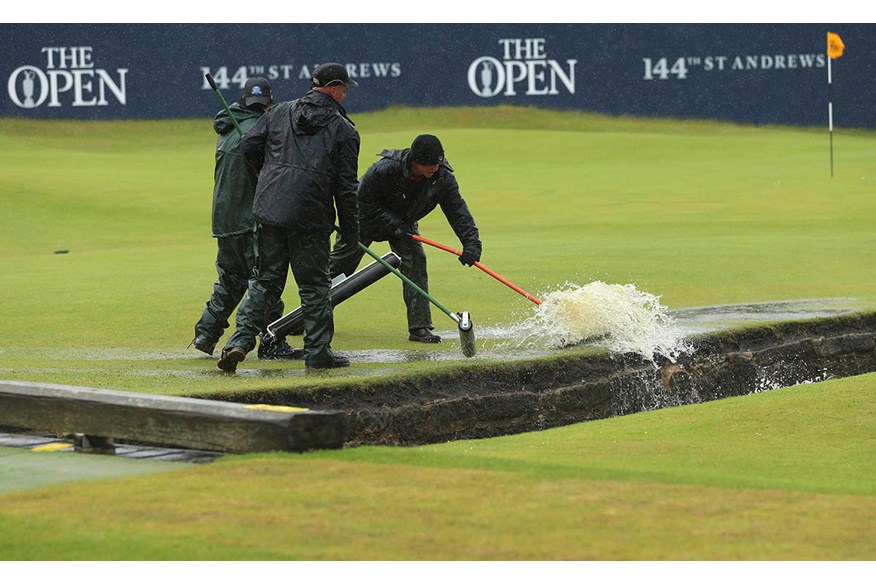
x=830, y=111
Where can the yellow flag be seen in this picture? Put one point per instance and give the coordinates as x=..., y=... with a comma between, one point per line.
x=835, y=46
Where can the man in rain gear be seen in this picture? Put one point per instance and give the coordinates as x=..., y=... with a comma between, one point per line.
x=307, y=154
x=233, y=191
x=395, y=193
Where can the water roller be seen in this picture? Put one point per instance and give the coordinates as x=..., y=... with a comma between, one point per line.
x=342, y=288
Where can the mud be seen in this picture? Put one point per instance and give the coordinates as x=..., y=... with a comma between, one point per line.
x=485, y=398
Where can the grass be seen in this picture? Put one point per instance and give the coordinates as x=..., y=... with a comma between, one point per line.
x=698, y=213
x=782, y=475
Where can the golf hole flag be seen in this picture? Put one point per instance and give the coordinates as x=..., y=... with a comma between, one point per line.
x=835, y=48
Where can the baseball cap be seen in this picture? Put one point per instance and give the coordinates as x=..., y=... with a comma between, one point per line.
x=329, y=74
x=427, y=150
x=257, y=90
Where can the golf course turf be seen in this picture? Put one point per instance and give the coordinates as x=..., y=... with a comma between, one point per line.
x=697, y=213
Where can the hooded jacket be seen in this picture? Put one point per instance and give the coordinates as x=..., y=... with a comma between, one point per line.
x=389, y=200
x=307, y=154
x=234, y=181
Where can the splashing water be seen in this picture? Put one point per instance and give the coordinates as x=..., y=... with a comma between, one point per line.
x=619, y=318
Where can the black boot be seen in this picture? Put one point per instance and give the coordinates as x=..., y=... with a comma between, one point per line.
x=423, y=335
x=334, y=362
x=230, y=358
x=276, y=349
x=204, y=345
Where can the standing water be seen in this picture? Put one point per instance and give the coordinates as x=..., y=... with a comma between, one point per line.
x=617, y=317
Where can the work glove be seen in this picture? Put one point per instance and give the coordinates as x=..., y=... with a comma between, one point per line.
x=394, y=225
x=401, y=230
x=468, y=258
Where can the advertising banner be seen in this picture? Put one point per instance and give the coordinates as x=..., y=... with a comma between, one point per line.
x=748, y=73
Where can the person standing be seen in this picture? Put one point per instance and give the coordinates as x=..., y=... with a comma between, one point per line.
x=233, y=192
x=394, y=194
x=307, y=154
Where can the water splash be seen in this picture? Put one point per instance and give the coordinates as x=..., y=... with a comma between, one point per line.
x=619, y=318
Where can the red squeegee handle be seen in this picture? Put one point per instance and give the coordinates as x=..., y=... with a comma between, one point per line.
x=480, y=266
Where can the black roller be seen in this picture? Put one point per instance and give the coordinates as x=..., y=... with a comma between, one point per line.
x=293, y=322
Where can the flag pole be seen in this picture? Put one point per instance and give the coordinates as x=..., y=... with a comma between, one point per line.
x=830, y=110
x=835, y=48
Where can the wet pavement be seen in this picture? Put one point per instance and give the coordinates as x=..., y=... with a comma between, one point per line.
x=33, y=462
x=49, y=443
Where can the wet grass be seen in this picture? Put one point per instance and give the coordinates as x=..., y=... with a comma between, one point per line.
x=698, y=213
x=781, y=475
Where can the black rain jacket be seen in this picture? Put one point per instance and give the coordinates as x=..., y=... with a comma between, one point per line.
x=389, y=200
x=307, y=155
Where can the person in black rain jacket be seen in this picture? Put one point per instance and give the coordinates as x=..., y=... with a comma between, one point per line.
x=394, y=194
x=307, y=154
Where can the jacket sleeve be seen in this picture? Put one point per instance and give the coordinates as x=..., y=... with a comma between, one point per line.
x=347, y=184
x=253, y=144
x=459, y=217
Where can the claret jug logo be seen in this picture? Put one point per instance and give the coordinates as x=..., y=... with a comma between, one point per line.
x=524, y=69
x=69, y=78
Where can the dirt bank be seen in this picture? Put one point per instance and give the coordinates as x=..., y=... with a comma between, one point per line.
x=505, y=398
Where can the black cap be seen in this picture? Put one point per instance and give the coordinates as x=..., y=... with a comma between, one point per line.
x=257, y=90
x=329, y=74
x=427, y=150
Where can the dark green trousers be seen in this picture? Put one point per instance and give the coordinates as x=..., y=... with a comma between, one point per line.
x=345, y=258
x=235, y=261
x=307, y=253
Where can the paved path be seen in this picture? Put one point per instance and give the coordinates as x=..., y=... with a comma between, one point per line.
x=28, y=462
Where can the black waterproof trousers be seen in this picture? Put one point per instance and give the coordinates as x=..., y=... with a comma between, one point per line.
x=345, y=258
x=307, y=252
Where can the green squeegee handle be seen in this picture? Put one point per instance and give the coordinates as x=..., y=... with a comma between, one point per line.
x=212, y=83
x=407, y=281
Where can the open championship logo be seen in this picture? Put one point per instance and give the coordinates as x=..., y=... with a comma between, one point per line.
x=524, y=68
x=70, y=74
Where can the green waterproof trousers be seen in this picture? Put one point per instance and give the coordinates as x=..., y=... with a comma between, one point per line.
x=235, y=261
x=307, y=252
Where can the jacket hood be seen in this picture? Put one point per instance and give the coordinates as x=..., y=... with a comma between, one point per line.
x=222, y=123
x=315, y=111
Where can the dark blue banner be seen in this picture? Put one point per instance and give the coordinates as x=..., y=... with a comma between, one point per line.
x=750, y=73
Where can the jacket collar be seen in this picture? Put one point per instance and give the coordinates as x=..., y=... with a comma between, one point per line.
x=406, y=163
x=320, y=98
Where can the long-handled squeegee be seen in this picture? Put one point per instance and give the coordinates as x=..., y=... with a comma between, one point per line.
x=480, y=266
x=215, y=87
x=462, y=319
